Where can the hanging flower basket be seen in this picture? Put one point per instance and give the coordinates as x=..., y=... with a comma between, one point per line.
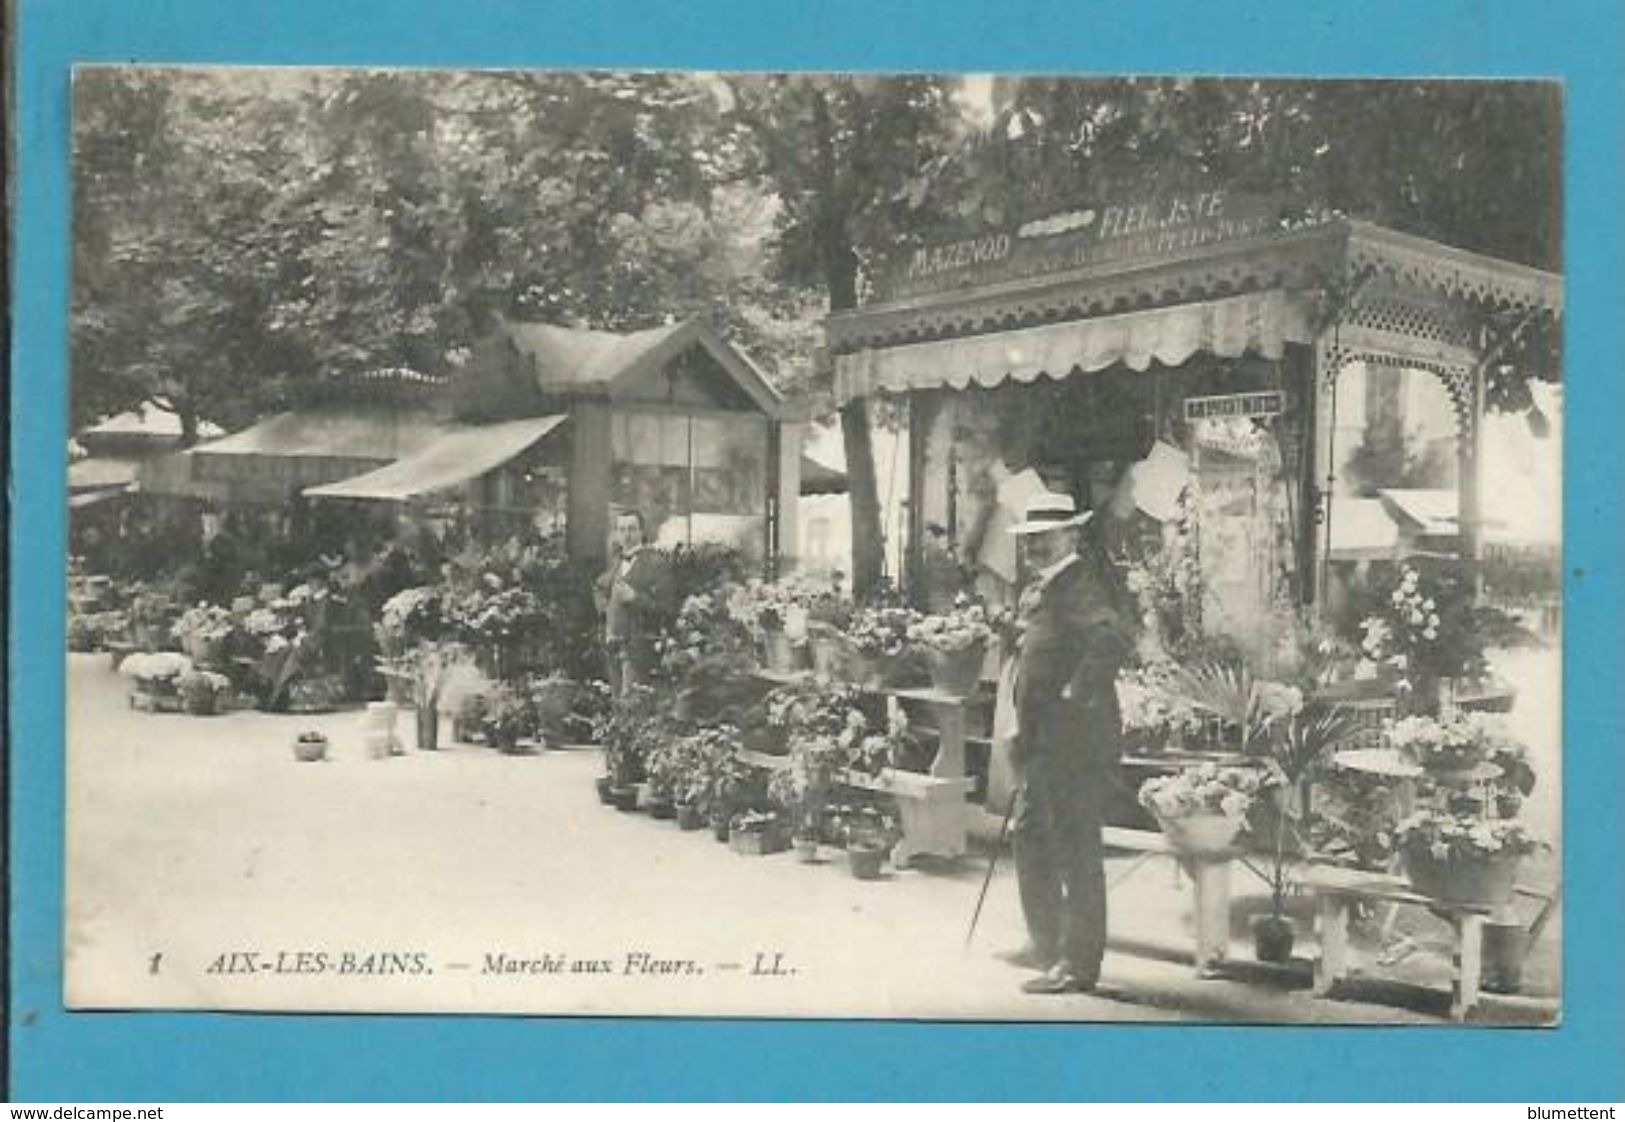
x=1483, y=879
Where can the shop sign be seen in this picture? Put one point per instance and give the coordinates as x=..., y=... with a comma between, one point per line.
x=1142, y=231
x=1265, y=403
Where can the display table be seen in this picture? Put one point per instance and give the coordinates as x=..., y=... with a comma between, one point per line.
x=931, y=806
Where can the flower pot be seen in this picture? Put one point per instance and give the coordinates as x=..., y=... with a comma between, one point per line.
x=758, y=843
x=864, y=861
x=719, y=829
x=1202, y=835
x=428, y=727
x=624, y=798
x=807, y=850
x=1481, y=881
x=663, y=809
x=689, y=817
x=780, y=654
x=603, y=783
x=827, y=656
x=310, y=751
x=957, y=672
x=1505, y=947
x=1272, y=938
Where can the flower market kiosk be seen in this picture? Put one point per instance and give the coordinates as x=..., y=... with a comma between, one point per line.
x=1194, y=325
x=1176, y=365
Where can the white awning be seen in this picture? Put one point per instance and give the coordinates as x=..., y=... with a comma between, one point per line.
x=1260, y=323
x=1362, y=530
x=460, y=453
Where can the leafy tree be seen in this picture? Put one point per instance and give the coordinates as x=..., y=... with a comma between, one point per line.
x=843, y=154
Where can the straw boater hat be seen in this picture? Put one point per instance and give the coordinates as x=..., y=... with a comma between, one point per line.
x=1051, y=511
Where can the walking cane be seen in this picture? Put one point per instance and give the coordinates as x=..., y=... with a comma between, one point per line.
x=992, y=863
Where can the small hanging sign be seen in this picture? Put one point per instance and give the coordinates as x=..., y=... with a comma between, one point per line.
x=1264, y=403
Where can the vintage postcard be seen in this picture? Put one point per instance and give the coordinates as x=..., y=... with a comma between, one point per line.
x=963, y=547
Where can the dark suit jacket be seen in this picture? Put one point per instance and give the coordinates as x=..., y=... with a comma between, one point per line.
x=1077, y=636
x=634, y=624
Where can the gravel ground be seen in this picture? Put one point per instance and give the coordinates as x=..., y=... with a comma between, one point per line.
x=469, y=881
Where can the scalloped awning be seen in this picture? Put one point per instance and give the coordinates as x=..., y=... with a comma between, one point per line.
x=1260, y=323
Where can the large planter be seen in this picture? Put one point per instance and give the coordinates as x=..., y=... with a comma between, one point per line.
x=1482, y=881
x=689, y=817
x=957, y=672
x=1202, y=835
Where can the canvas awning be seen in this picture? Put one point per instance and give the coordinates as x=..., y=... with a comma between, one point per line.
x=1260, y=323
x=460, y=453
x=1362, y=530
x=95, y=473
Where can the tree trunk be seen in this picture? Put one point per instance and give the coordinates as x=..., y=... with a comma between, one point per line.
x=868, y=554
x=840, y=265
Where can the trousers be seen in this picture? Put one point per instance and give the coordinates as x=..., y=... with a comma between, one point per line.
x=1060, y=861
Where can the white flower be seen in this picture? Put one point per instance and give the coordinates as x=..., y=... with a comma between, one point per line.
x=1428, y=604
x=1430, y=634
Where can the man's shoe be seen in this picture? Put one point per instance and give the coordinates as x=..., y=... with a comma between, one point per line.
x=1028, y=957
x=1057, y=981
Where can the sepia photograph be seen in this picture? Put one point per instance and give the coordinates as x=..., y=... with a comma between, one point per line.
x=947, y=547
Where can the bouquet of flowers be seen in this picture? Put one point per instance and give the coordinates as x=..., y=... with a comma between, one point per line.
x=882, y=630
x=1423, y=630
x=1207, y=789
x=1151, y=702
x=409, y=615
x=159, y=672
x=704, y=645
x=1448, y=835
x=203, y=629
x=965, y=627
x=1453, y=743
x=781, y=605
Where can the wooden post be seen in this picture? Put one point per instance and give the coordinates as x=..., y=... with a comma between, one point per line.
x=591, y=460
x=1469, y=456
x=791, y=437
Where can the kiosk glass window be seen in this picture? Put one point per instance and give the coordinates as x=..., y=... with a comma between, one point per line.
x=695, y=478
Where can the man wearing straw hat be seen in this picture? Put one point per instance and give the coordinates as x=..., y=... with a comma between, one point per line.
x=1076, y=632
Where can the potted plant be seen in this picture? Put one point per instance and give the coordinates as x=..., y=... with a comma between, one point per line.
x=955, y=643
x=1442, y=746
x=1425, y=634
x=155, y=677
x=203, y=632
x=1156, y=715
x=775, y=614
x=1307, y=738
x=877, y=644
x=201, y=691
x=310, y=747
x=1461, y=857
x=869, y=833
x=634, y=722
x=1203, y=809
x=427, y=669
x=757, y=833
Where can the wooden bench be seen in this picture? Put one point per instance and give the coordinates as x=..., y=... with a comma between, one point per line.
x=1337, y=890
